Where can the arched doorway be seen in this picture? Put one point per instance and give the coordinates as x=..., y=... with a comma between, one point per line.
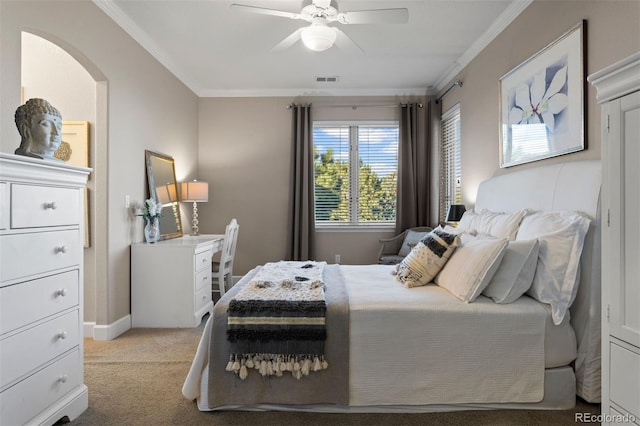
x=54, y=71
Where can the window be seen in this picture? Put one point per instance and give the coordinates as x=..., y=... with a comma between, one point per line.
x=450, y=175
x=355, y=173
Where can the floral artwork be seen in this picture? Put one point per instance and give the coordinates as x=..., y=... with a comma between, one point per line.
x=540, y=100
x=541, y=103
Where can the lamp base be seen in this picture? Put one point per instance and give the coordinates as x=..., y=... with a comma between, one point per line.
x=194, y=221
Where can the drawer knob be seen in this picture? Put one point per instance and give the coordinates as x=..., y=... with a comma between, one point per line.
x=63, y=378
x=62, y=335
x=61, y=249
x=52, y=205
x=62, y=292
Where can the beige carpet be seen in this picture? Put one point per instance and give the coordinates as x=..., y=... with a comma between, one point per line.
x=137, y=379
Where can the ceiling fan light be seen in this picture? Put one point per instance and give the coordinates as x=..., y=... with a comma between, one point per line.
x=318, y=37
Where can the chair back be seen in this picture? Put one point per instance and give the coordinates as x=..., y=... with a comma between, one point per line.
x=229, y=246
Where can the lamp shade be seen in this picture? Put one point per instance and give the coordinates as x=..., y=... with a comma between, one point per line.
x=167, y=193
x=455, y=212
x=318, y=37
x=195, y=191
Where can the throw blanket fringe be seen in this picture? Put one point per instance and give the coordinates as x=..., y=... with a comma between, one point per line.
x=277, y=322
x=276, y=364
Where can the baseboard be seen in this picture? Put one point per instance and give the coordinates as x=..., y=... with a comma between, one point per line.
x=109, y=331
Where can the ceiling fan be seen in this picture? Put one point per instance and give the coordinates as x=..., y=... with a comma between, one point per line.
x=319, y=36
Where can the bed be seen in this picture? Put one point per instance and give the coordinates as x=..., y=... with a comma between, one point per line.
x=398, y=349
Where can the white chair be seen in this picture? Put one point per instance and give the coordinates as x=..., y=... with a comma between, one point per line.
x=222, y=270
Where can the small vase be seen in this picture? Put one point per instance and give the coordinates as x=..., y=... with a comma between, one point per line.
x=152, y=230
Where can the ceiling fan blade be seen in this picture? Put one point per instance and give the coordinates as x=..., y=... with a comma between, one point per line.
x=263, y=11
x=288, y=42
x=377, y=16
x=344, y=42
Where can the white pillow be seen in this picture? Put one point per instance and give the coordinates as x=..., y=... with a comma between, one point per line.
x=500, y=225
x=426, y=258
x=472, y=266
x=561, y=238
x=515, y=274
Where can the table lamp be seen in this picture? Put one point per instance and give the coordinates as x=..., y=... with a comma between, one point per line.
x=195, y=192
x=455, y=212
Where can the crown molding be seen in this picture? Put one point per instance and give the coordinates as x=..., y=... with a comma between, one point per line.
x=510, y=13
x=256, y=93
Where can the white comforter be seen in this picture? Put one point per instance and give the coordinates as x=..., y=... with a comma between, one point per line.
x=423, y=346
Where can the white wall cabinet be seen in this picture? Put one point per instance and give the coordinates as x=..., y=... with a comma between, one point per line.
x=41, y=258
x=618, y=89
x=171, y=281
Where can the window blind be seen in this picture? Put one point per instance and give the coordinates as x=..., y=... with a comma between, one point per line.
x=450, y=167
x=355, y=173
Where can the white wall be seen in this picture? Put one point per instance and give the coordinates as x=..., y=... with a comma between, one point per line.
x=248, y=169
x=612, y=33
x=140, y=105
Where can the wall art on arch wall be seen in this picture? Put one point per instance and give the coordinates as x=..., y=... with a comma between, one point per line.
x=542, y=102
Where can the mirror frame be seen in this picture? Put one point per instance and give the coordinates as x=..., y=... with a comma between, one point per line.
x=149, y=157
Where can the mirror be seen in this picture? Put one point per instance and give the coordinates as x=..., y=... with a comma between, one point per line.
x=161, y=176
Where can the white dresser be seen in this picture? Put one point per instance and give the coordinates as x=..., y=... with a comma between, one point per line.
x=171, y=281
x=41, y=256
x=618, y=89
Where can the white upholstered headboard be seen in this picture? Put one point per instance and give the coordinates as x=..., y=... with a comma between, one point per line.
x=573, y=186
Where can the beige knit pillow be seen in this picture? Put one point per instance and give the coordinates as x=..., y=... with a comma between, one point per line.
x=426, y=258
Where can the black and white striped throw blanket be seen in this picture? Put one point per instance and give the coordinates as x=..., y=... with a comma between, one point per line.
x=277, y=322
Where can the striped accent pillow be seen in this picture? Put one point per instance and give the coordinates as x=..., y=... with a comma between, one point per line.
x=426, y=258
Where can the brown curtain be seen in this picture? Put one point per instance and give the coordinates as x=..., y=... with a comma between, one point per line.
x=413, y=167
x=301, y=235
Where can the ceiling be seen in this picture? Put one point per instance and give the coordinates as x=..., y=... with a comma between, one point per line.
x=218, y=51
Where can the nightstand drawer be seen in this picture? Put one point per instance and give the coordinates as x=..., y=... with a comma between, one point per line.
x=27, y=302
x=21, y=402
x=35, y=206
x=26, y=351
x=37, y=253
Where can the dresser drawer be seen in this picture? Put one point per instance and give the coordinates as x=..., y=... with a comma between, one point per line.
x=26, y=399
x=26, y=254
x=26, y=351
x=203, y=296
x=35, y=206
x=625, y=373
x=27, y=302
x=4, y=205
x=203, y=261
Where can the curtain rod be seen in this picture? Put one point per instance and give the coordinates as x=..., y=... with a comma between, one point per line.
x=457, y=83
x=356, y=106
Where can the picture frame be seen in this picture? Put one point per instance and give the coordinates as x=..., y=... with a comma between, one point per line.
x=74, y=148
x=542, y=102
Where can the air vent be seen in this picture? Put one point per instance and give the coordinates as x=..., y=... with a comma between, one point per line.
x=332, y=79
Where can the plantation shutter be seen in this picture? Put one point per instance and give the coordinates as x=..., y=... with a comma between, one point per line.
x=450, y=168
x=378, y=170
